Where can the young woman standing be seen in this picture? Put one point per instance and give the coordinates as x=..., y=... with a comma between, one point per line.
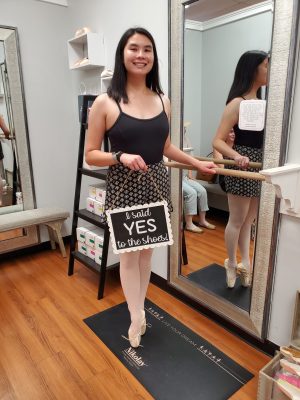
x=135, y=115
x=243, y=194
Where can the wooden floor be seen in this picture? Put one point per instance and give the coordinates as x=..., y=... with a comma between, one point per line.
x=47, y=352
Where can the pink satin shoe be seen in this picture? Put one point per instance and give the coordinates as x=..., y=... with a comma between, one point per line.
x=134, y=339
x=230, y=274
x=244, y=274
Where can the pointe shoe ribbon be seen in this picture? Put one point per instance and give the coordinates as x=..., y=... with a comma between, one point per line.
x=144, y=324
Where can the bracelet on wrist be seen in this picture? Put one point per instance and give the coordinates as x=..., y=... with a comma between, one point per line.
x=117, y=155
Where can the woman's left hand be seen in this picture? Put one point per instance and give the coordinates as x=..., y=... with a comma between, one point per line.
x=241, y=161
x=206, y=167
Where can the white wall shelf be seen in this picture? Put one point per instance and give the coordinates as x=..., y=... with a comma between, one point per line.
x=86, y=51
x=105, y=82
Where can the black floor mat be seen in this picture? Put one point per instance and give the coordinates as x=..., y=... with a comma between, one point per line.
x=174, y=362
x=213, y=278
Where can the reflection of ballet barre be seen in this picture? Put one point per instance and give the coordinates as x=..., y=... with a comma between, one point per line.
x=2, y=136
x=251, y=164
x=221, y=171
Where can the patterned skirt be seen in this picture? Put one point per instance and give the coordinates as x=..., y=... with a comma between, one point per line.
x=241, y=186
x=125, y=189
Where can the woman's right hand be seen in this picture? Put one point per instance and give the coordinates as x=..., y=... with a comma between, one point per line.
x=206, y=167
x=133, y=162
x=241, y=161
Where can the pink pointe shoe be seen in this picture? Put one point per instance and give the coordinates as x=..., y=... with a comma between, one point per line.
x=230, y=275
x=244, y=275
x=134, y=338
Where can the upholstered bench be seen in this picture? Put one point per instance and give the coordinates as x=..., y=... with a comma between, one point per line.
x=52, y=217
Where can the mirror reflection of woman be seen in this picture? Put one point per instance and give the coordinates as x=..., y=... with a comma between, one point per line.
x=243, y=194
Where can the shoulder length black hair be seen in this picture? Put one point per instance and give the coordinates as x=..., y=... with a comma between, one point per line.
x=245, y=72
x=117, y=89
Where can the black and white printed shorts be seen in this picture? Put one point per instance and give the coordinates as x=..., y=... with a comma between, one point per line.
x=242, y=186
x=139, y=187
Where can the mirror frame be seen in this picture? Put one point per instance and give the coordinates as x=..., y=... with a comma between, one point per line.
x=281, y=83
x=9, y=36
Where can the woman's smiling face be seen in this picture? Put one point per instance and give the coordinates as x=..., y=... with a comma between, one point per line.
x=138, y=55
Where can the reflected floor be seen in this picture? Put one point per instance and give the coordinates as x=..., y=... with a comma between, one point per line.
x=213, y=278
x=208, y=247
x=206, y=254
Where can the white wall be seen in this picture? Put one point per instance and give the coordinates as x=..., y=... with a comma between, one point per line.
x=287, y=277
x=51, y=89
x=192, y=85
x=2, y=98
x=214, y=59
x=43, y=31
x=222, y=48
x=3, y=110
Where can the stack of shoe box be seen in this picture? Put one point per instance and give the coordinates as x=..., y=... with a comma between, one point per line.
x=96, y=199
x=90, y=243
x=280, y=378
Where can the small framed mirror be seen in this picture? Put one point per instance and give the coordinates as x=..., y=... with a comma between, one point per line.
x=207, y=39
x=16, y=186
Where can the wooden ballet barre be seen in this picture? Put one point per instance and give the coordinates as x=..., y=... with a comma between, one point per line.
x=251, y=164
x=2, y=136
x=221, y=171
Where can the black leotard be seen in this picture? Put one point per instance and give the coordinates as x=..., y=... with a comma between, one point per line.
x=145, y=137
x=248, y=138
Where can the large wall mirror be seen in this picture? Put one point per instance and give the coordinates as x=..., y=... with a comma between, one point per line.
x=16, y=186
x=207, y=40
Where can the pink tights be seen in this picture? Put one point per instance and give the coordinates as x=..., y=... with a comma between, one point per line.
x=242, y=212
x=135, y=270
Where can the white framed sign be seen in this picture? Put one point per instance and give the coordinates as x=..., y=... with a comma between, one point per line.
x=252, y=115
x=140, y=227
